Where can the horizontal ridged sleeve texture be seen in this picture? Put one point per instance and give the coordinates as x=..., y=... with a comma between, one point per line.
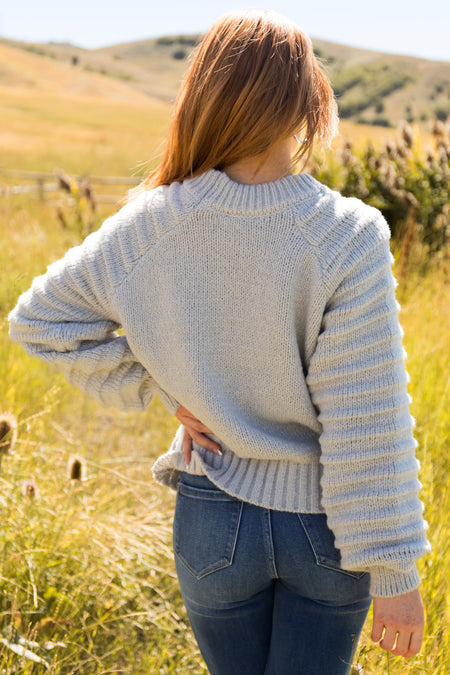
x=68, y=319
x=269, y=312
x=357, y=381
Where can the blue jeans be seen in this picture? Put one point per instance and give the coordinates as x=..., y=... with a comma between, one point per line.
x=263, y=589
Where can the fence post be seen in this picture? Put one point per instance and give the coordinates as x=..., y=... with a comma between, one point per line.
x=41, y=191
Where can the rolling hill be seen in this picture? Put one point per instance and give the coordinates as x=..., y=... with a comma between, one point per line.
x=53, y=114
x=371, y=87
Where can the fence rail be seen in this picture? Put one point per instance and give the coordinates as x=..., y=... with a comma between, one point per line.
x=42, y=183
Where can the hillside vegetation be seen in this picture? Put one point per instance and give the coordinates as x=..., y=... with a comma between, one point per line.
x=371, y=87
x=54, y=114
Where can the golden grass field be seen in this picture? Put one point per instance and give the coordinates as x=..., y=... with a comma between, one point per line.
x=87, y=577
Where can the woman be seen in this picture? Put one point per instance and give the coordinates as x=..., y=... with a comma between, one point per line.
x=259, y=305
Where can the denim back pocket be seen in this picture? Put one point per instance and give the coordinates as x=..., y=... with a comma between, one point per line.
x=321, y=540
x=205, y=529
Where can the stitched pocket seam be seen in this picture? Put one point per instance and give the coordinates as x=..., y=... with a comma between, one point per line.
x=322, y=560
x=227, y=559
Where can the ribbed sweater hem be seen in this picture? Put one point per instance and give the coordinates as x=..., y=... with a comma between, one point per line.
x=281, y=485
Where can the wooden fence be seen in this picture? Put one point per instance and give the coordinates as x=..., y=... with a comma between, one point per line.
x=41, y=184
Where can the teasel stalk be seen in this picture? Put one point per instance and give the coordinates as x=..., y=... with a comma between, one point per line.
x=76, y=469
x=346, y=153
x=30, y=489
x=8, y=434
x=406, y=134
x=438, y=128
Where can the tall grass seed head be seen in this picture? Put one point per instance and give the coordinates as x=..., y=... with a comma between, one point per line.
x=8, y=433
x=443, y=152
x=407, y=134
x=76, y=469
x=30, y=489
x=346, y=153
x=391, y=149
x=438, y=128
x=402, y=149
x=389, y=176
x=64, y=180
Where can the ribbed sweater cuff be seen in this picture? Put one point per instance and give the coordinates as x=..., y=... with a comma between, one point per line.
x=386, y=583
x=170, y=404
x=150, y=388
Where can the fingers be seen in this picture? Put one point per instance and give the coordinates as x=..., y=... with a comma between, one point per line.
x=388, y=640
x=398, y=623
x=408, y=642
x=194, y=423
x=402, y=643
x=415, y=643
x=205, y=442
x=187, y=447
x=377, y=630
x=189, y=420
x=195, y=430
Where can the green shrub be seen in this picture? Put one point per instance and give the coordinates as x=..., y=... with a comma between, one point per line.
x=377, y=121
x=442, y=112
x=362, y=87
x=171, y=40
x=410, y=188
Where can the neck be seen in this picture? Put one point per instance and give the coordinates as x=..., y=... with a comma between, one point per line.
x=266, y=168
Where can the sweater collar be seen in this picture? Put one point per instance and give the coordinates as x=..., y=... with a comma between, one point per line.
x=216, y=187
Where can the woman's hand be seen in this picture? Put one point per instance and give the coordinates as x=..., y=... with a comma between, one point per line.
x=402, y=620
x=194, y=430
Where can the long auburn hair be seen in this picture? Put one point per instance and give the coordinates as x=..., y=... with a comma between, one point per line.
x=254, y=80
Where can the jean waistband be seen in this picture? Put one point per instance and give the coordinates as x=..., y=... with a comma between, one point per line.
x=198, y=481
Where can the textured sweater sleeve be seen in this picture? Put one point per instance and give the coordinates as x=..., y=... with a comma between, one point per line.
x=68, y=319
x=357, y=381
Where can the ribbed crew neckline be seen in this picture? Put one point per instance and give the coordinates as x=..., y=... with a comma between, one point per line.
x=227, y=195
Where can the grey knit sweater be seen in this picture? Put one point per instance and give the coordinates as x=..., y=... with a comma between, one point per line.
x=269, y=312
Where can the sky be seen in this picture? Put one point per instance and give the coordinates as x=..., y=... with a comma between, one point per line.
x=415, y=28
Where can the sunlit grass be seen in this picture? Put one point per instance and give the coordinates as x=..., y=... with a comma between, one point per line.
x=426, y=322
x=79, y=134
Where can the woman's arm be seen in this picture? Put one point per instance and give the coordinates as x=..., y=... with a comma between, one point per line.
x=68, y=319
x=357, y=381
